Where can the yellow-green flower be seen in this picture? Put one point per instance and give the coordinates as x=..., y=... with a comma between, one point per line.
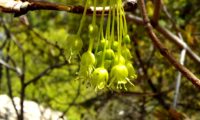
x=99, y=78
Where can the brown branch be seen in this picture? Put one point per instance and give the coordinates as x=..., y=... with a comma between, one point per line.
x=164, y=51
x=167, y=34
x=20, y=8
x=44, y=72
x=135, y=19
x=9, y=67
x=10, y=91
x=157, y=9
x=22, y=81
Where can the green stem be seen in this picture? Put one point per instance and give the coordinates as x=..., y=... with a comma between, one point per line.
x=108, y=24
x=125, y=23
x=118, y=29
x=83, y=18
x=113, y=23
x=100, y=35
x=90, y=44
x=121, y=21
x=94, y=25
x=101, y=30
x=108, y=30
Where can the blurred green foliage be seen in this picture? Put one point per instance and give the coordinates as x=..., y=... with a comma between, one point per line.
x=44, y=44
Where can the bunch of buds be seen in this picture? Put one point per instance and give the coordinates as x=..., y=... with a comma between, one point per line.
x=107, y=62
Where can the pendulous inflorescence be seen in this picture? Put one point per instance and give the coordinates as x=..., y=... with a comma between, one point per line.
x=107, y=62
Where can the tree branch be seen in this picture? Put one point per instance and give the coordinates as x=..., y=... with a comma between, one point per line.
x=17, y=70
x=44, y=72
x=20, y=8
x=157, y=9
x=10, y=91
x=164, y=51
x=167, y=34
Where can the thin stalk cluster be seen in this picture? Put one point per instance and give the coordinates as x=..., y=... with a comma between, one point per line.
x=107, y=62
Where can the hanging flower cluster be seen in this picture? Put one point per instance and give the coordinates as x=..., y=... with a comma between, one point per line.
x=107, y=62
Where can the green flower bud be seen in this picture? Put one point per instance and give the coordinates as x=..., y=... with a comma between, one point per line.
x=87, y=59
x=108, y=61
x=119, y=76
x=126, y=39
x=103, y=43
x=93, y=31
x=108, y=64
x=126, y=53
x=119, y=59
x=131, y=71
x=87, y=65
x=115, y=46
x=99, y=78
x=109, y=54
